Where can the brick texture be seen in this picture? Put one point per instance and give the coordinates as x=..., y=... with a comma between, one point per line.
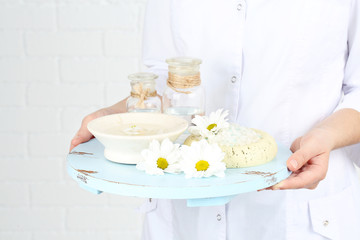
x=122, y=43
x=91, y=16
x=17, y=194
x=11, y=43
x=71, y=235
x=71, y=118
x=31, y=119
x=26, y=70
x=98, y=70
x=64, y=194
x=28, y=16
x=13, y=144
x=13, y=94
x=41, y=94
x=131, y=235
x=32, y=169
x=42, y=145
x=59, y=61
x=15, y=235
x=28, y=219
x=67, y=43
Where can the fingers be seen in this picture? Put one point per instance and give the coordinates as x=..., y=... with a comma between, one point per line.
x=83, y=135
x=308, y=176
x=309, y=162
x=268, y=188
x=296, y=144
x=80, y=138
x=307, y=151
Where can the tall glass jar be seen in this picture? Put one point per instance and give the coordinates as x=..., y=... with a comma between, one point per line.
x=143, y=96
x=184, y=95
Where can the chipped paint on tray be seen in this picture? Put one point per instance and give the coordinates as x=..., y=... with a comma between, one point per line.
x=263, y=174
x=86, y=172
x=81, y=153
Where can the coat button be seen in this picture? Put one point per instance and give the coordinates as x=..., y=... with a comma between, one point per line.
x=218, y=217
x=239, y=7
x=326, y=223
x=233, y=79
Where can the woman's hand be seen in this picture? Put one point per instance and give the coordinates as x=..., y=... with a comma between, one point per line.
x=83, y=135
x=310, y=158
x=309, y=161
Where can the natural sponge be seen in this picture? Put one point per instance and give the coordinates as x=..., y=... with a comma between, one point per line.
x=244, y=147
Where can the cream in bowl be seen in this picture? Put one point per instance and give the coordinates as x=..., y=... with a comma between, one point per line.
x=125, y=135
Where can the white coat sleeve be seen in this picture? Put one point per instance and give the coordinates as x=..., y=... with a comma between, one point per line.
x=158, y=42
x=351, y=83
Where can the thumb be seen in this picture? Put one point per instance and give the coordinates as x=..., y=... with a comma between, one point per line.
x=301, y=156
x=83, y=135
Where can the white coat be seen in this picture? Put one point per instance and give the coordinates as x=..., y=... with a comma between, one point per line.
x=280, y=66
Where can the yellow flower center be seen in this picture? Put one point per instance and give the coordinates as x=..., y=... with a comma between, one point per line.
x=202, y=165
x=211, y=126
x=162, y=163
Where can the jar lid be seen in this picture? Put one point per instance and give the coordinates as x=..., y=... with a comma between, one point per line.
x=142, y=76
x=183, y=61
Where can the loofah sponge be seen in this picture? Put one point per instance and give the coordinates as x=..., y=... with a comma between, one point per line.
x=244, y=147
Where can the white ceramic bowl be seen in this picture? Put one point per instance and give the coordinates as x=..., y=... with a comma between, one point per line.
x=125, y=135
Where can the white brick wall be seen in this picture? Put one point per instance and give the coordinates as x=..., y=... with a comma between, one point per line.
x=64, y=43
x=91, y=16
x=28, y=16
x=59, y=61
x=11, y=43
x=26, y=70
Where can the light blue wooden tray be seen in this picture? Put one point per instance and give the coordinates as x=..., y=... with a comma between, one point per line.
x=88, y=166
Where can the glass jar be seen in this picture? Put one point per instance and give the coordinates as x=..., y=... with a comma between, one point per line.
x=143, y=96
x=184, y=95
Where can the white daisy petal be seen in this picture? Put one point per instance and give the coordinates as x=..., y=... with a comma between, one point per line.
x=141, y=166
x=166, y=147
x=160, y=157
x=154, y=146
x=194, y=130
x=147, y=154
x=199, y=120
x=173, y=157
x=173, y=168
x=220, y=174
x=202, y=159
x=207, y=127
x=154, y=171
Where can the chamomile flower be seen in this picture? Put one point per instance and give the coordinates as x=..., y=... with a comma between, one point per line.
x=209, y=126
x=160, y=157
x=202, y=159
